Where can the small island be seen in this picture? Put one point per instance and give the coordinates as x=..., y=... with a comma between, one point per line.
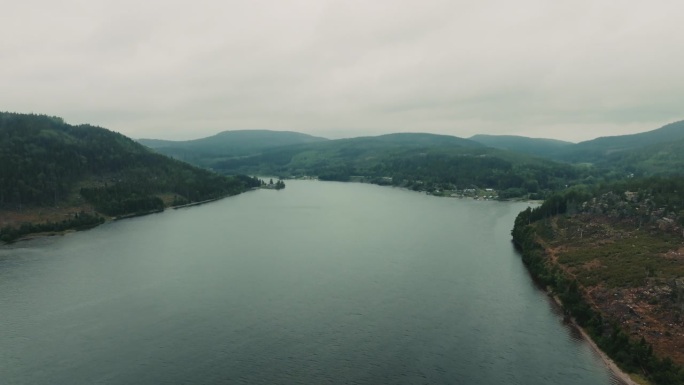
x=279, y=185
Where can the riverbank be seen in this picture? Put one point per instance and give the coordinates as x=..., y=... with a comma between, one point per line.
x=194, y=203
x=41, y=217
x=610, y=364
x=620, y=374
x=585, y=262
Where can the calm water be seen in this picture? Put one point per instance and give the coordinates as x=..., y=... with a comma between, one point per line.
x=321, y=283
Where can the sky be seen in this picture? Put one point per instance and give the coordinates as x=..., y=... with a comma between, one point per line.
x=176, y=69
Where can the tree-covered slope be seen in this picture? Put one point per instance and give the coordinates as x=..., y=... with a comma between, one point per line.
x=46, y=163
x=597, y=150
x=614, y=255
x=421, y=161
x=665, y=158
x=431, y=162
x=352, y=156
x=532, y=146
x=227, y=144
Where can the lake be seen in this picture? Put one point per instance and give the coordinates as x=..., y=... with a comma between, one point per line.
x=320, y=283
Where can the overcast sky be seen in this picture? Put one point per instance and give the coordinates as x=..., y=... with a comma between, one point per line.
x=178, y=69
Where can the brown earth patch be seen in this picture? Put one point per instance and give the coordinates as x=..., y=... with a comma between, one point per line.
x=15, y=218
x=652, y=310
x=677, y=255
x=646, y=312
x=592, y=265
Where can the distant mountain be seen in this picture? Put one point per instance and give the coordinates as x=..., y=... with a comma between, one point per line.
x=415, y=140
x=328, y=156
x=597, y=150
x=423, y=162
x=230, y=146
x=47, y=165
x=227, y=144
x=369, y=144
x=656, y=159
x=532, y=146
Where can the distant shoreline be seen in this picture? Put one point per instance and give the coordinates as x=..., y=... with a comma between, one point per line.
x=194, y=203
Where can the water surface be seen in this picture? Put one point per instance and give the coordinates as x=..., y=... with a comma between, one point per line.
x=320, y=283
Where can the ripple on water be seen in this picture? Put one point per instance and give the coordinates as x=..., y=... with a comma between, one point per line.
x=318, y=283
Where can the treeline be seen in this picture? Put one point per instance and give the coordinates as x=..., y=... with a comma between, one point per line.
x=633, y=356
x=119, y=200
x=79, y=221
x=43, y=160
x=513, y=175
x=41, y=157
x=666, y=193
x=137, y=195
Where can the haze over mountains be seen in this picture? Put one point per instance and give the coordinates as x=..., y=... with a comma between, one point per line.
x=238, y=142
x=651, y=152
x=532, y=146
x=417, y=160
x=601, y=148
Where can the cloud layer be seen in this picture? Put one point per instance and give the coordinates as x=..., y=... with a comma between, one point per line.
x=180, y=69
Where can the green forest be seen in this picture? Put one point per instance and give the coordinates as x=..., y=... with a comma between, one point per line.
x=423, y=165
x=516, y=167
x=45, y=162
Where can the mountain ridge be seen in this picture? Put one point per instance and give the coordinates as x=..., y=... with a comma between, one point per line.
x=596, y=150
x=229, y=144
x=533, y=146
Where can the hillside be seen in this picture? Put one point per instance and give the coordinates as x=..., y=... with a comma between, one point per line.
x=532, y=146
x=423, y=162
x=228, y=144
x=70, y=176
x=598, y=150
x=517, y=166
x=656, y=152
x=614, y=255
x=665, y=158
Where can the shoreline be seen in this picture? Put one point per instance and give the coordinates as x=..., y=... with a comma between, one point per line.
x=617, y=372
x=49, y=234
x=194, y=203
x=620, y=374
x=610, y=364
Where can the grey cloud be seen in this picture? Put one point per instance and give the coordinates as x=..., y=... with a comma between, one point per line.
x=180, y=69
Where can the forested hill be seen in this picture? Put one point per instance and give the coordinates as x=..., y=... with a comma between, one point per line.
x=47, y=164
x=602, y=149
x=425, y=162
x=205, y=151
x=655, y=152
x=614, y=255
x=511, y=165
x=533, y=146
